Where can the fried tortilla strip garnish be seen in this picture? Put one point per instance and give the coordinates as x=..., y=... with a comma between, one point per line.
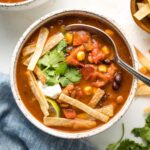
x=69, y=123
x=28, y=50
x=107, y=110
x=41, y=76
x=140, y=5
x=52, y=42
x=84, y=107
x=143, y=12
x=42, y=38
x=96, y=98
x=38, y=93
x=143, y=60
x=143, y=90
x=26, y=60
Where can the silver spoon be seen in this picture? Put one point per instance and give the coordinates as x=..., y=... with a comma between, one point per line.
x=107, y=38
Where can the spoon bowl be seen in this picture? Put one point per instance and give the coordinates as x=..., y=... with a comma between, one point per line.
x=108, y=39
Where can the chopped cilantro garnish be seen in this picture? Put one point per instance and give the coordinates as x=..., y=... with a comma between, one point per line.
x=127, y=144
x=55, y=68
x=73, y=75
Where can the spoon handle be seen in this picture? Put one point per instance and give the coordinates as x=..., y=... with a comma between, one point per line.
x=132, y=71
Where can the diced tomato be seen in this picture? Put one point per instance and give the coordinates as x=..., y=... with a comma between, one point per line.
x=69, y=113
x=90, y=72
x=80, y=37
x=89, y=45
x=96, y=54
x=71, y=59
x=87, y=70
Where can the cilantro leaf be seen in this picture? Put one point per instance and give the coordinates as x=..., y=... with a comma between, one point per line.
x=144, y=133
x=61, y=68
x=73, y=75
x=129, y=145
x=64, y=81
x=55, y=68
x=54, y=56
x=51, y=80
x=148, y=121
x=51, y=58
x=49, y=72
x=113, y=146
x=61, y=46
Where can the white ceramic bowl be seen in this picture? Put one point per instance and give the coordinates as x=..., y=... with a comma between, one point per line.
x=18, y=100
x=21, y=5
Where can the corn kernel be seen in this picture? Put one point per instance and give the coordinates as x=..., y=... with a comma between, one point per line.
x=88, y=90
x=105, y=50
x=81, y=56
x=69, y=38
x=102, y=68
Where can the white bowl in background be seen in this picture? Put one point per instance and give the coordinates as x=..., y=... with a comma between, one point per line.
x=27, y=4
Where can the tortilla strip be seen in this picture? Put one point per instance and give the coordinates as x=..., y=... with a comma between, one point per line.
x=96, y=98
x=84, y=107
x=41, y=76
x=107, y=110
x=37, y=93
x=140, y=5
x=52, y=42
x=143, y=12
x=143, y=60
x=69, y=123
x=26, y=60
x=43, y=35
x=143, y=90
x=28, y=50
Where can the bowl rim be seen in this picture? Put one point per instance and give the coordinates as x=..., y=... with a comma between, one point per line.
x=139, y=23
x=22, y=107
x=17, y=4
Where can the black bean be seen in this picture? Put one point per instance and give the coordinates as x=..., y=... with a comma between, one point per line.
x=118, y=77
x=115, y=85
x=107, y=61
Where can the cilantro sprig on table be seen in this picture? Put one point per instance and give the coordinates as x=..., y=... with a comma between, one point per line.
x=127, y=144
x=55, y=68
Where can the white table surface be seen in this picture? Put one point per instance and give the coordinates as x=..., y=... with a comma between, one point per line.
x=13, y=24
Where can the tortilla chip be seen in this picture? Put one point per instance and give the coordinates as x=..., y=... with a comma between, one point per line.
x=143, y=90
x=143, y=12
x=143, y=60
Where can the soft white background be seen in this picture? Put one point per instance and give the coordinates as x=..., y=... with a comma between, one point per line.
x=13, y=24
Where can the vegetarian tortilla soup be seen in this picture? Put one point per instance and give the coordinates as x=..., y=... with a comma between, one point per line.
x=69, y=80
